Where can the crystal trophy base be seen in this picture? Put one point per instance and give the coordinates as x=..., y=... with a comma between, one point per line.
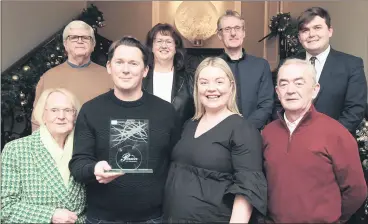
x=129, y=171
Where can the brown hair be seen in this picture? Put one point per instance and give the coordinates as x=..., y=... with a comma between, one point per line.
x=166, y=29
x=130, y=42
x=309, y=14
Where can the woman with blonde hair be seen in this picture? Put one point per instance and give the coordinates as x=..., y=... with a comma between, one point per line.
x=36, y=186
x=216, y=170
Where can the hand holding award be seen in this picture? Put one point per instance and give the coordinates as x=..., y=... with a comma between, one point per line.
x=102, y=173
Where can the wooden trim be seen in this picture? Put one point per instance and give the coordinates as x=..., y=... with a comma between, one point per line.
x=271, y=47
x=281, y=6
x=155, y=12
x=237, y=6
x=265, y=28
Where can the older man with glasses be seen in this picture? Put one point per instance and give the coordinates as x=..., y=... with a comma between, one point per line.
x=252, y=74
x=78, y=74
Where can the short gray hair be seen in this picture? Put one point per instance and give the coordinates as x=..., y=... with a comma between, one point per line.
x=39, y=108
x=229, y=13
x=78, y=24
x=309, y=68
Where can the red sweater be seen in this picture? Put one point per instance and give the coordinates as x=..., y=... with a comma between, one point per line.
x=314, y=175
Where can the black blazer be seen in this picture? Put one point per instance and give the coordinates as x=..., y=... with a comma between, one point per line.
x=255, y=89
x=181, y=95
x=343, y=92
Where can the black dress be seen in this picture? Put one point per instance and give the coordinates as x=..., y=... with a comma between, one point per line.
x=208, y=171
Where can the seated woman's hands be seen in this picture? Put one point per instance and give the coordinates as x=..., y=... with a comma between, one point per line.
x=64, y=216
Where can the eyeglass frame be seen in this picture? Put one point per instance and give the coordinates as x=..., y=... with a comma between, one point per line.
x=230, y=28
x=80, y=37
x=74, y=111
x=164, y=41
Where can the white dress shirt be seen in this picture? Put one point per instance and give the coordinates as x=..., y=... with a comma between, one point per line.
x=292, y=125
x=320, y=61
x=162, y=85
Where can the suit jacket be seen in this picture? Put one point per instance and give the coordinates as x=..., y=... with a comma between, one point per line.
x=31, y=185
x=343, y=92
x=181, y=94
x=255, y=90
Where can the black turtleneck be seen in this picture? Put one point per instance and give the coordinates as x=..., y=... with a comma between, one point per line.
x=131, y=197
x=234, y=65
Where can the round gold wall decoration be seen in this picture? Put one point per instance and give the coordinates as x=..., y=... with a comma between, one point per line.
x=196, y=20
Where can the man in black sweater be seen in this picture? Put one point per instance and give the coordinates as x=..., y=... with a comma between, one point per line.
x=114, y=197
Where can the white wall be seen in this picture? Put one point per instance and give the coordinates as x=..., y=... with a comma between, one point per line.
x=125, y=18
x=350, y=23
x=25, y=24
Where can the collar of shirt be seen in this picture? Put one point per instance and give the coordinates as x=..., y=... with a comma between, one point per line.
x=321, y=58
x=292, y=125
x=78, y=66
x=227, y=58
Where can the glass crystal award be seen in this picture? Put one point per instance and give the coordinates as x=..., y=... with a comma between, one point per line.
x=129, y=140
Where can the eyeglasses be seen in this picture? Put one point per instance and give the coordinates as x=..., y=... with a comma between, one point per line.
x=75, y=38
x=160, y=42
x=228, y=29
x=56, y=111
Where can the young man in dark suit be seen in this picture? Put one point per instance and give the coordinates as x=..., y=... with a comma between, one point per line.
x=252, y=74
x=343, y=94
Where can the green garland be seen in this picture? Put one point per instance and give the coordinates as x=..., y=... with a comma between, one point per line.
x=362, y=139
x=285, y=27
x=18, y=83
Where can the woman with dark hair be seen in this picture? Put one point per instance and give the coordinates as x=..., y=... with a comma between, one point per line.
x=167, y=77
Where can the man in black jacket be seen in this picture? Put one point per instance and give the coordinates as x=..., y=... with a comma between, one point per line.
x=343, y=92
x=253, y=75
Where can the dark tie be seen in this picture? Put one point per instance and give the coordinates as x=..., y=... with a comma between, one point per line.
x=313, y=60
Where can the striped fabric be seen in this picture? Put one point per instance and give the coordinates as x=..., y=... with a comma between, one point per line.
x=31, y=185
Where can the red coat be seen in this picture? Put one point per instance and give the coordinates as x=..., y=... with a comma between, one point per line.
x=314, y=175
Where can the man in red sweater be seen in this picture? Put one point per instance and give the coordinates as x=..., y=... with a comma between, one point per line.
x=312, y=163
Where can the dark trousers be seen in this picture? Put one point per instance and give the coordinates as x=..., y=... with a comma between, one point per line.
x=92, y=220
